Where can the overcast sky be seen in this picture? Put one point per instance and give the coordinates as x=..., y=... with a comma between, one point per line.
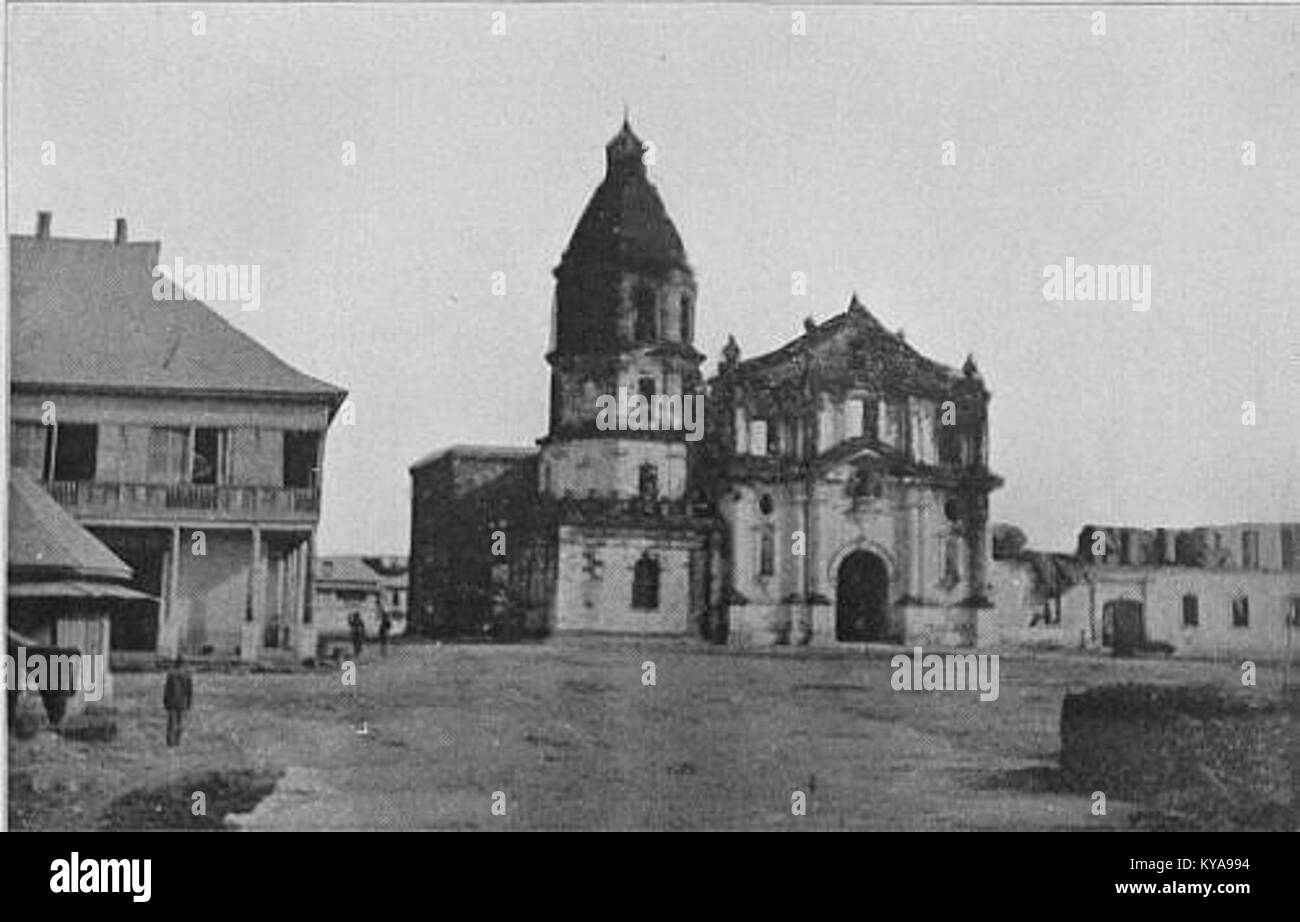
x=775, y=153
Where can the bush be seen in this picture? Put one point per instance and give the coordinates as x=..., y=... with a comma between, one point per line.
x=90, y=727
x=26, y=724
x=1229, y=757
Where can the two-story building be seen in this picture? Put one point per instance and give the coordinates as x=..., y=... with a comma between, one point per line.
x=184, y=445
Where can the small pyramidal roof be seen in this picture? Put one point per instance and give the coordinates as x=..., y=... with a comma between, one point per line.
x=625, y=223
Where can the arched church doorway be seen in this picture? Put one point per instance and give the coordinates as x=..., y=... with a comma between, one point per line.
x=862, y=598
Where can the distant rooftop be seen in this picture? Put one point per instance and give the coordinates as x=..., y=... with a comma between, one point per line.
x=348, y=570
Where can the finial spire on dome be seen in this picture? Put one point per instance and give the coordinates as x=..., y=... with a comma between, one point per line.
x=625, y=149
x=730, y=353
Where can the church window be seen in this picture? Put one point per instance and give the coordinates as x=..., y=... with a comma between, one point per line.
x=896, y=424
x=685, y=318
x=951, y=448
x=645, y=583
x=648, y=483
x=1241, y=612
x=765, y=504
x=852, y=418
x=758, y=437
x=952, y=560
x=1250, y=550
x=766, y=553
x=646, y=387
x=645, y=314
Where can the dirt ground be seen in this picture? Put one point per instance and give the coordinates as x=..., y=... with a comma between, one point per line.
x=573, y=739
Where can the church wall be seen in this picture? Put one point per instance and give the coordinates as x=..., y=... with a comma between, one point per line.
x=925, y=600
x=610, y=466
x=599, y=598
x=766, y=618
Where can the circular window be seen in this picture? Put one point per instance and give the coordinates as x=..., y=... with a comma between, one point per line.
x=765, y=504
x=952, y=509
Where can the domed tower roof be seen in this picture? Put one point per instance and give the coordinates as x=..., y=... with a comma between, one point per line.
x=625, y=223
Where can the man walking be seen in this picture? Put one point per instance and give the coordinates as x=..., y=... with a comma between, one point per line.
x=178, y=694
x=385, y=626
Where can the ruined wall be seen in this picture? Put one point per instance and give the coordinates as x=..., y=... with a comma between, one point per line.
x=1016, y=616
x=1269, y=596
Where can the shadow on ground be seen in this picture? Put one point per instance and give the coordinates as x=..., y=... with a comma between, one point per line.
x=171, y=806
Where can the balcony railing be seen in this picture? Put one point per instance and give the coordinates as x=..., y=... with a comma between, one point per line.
x=185, y=500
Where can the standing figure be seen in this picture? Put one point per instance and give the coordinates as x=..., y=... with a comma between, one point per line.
x=385, y=625
x=178, y=695
x=358, y=630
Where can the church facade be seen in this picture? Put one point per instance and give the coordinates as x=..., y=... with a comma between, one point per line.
x=839, y=492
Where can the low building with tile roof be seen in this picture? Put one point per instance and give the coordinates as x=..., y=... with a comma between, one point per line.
x=188, y=448
x=64, y=585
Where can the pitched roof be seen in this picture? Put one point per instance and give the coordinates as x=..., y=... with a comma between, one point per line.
x=73, y=589
x=855, y=345
x=84, y=315
x=625, y=223
x=349, y=570
x=46, y=542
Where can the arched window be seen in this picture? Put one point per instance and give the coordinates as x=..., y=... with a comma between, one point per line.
x=952, y=560
x=1241, y=611
x=853, y=410
x=766, y=553
x=645, y=583
x=645, y=314
x=685, y=318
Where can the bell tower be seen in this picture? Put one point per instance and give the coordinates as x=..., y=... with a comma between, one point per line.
x=624, y=318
